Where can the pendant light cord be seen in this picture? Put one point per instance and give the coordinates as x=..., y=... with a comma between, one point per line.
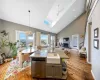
x=29, y=17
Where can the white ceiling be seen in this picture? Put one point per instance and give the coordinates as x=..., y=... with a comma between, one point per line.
x=17, y=11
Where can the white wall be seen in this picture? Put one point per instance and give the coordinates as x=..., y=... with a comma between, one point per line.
x=12, y=27
x=76, y=27
x=95, y=53
x=88, y=41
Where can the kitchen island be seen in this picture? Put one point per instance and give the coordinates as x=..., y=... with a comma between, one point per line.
x=46, y=64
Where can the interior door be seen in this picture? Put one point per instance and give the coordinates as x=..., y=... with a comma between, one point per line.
x=89, y=43
x=75, y=41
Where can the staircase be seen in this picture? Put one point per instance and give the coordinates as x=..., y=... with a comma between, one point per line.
x=88, y=10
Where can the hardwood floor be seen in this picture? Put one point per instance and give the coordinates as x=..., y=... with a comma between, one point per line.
x=77, y=67
x=3, y=69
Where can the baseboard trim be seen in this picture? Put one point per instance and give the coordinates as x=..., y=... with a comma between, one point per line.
x=88, y=62
x=93, y=74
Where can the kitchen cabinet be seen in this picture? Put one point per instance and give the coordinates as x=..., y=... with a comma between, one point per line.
x=41, y=69
x=53, y=71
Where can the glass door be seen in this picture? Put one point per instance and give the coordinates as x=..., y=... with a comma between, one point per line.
x=24, y=39
x=44, y=39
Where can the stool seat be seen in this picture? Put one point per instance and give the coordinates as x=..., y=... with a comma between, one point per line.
x=82, y=53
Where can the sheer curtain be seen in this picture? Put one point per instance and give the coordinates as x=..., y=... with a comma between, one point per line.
x=38, y=40
x=53, y=41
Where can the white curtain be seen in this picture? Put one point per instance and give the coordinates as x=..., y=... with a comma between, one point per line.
x=49, y=39
x=38, y=40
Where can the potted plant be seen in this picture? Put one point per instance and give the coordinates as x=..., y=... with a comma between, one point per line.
x=13, y=49
x=4, y=42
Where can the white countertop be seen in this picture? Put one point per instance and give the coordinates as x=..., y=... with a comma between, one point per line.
x=39, y=55
x=44, y=53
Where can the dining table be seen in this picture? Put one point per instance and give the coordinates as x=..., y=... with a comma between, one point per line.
x=25, y=54
x=29, y=50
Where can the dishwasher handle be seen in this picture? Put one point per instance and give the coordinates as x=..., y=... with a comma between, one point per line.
x=38, y=59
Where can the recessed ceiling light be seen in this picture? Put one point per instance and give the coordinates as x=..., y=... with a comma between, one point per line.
x=75, y=16
x=74, y=10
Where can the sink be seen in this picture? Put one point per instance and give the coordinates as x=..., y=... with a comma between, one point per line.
x=53, y=55
x=53, y=58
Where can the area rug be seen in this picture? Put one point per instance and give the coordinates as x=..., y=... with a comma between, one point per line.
x=14, y=68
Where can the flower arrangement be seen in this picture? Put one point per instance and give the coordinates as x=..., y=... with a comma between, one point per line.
x=30, y=44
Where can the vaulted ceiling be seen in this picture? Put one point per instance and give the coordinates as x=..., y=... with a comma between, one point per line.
x=48, y=15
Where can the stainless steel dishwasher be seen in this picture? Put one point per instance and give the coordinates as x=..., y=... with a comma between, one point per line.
x=38, y=67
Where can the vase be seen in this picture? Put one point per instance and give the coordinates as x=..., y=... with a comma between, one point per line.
x=30, y=49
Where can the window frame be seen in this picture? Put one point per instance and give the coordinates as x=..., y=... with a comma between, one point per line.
x=18, y=37
x=47, y=40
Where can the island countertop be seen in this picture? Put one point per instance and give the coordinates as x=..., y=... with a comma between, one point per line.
x=48, y=63
x=39, y=55
x=44, y=53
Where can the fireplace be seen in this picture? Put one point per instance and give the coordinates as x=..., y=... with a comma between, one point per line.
x=65, y=43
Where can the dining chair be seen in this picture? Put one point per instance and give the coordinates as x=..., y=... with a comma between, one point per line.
x=39, y=47
x=23, y=57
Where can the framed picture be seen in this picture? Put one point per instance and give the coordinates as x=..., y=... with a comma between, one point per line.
x=96, y=43
x=96, y=33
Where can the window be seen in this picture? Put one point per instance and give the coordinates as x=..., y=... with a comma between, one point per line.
x=44, y=39
x=24, y=40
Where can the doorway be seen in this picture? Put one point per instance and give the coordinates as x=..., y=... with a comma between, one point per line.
x=24, y=39
x=75, y=41
x=89, y=42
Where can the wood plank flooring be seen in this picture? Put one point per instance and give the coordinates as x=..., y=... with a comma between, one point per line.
x=77, y=67
x=3, y=69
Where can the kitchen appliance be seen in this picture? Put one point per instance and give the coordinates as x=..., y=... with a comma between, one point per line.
x=38, y=67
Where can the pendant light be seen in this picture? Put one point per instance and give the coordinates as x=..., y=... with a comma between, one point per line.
x=29, y=32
